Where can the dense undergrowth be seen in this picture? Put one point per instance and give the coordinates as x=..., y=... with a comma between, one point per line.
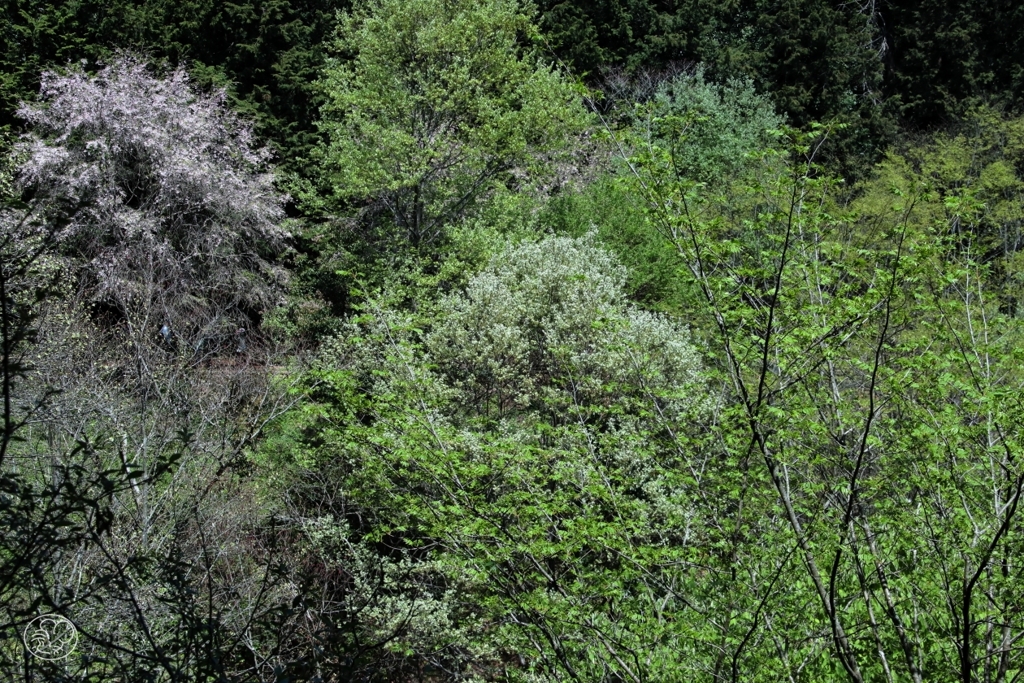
x=414, y=356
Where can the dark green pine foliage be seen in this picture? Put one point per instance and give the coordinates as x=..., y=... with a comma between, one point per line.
x=817, y=57
x=265, y=52
x=946, y=56
x=919, y=63
x=820, y=60
x=589, y=35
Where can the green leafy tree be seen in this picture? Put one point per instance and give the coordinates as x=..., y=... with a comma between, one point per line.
x=712, y=130
x=872, y=388
x=527, y=443
x=714, y=133
x=973, y=175
x=438, y=103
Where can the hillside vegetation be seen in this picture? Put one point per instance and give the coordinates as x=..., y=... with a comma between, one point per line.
x=478, y=340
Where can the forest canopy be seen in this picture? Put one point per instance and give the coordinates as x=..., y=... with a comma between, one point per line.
x=487, y=340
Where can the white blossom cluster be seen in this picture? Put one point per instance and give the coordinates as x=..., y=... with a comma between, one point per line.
x=548, y=321
x=165, y=204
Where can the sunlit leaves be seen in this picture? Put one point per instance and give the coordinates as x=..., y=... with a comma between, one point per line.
x=440, y=101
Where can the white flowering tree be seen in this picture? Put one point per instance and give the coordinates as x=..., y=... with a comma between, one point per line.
x=175, y=215
x=142, y=223
x=527, y=445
